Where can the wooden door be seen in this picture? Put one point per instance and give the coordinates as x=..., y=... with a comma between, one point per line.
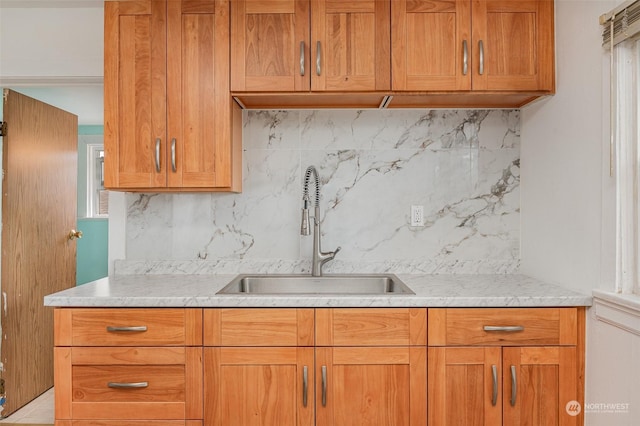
x=270, y=45
x=430, y=41
x=539, y=382
x=350, y=42
x=38, y=258
x=135, y=94
x=199, y=104
x=462, y=382
x=370, y=386
x=515, y=39
x=258, y=386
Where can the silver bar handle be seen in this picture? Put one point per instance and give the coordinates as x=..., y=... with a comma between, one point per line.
x=324, y=385
x=173, y=155
x=504, y=329
x=318, y=58
x=481, y=67
x=514, y=386
x=305, y=384
x=302, y=58
x=158, y=155
x=494, y=374
x=465, y=57
x=135, y=385
x=135, y=329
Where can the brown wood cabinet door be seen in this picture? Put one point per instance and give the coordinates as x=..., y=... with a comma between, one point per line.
x=371, y=386
x=270, y=45
x=258, y=386
x=135, y=94
x=539, y=382
x=430, y=41
x=513, y=45
x=464, y=386
x=350, y=45
x=198, y=102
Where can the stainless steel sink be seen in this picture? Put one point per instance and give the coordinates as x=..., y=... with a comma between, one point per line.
x=354, y=284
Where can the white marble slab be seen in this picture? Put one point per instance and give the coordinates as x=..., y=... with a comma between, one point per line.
x=182, y=290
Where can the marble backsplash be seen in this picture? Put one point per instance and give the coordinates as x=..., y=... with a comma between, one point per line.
x=461, y=165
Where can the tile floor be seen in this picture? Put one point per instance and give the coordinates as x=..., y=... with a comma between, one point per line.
x=37, y=412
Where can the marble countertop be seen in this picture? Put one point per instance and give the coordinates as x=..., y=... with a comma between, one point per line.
x=184, y=290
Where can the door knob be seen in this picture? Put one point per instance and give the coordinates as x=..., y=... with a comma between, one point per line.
x=75, y=234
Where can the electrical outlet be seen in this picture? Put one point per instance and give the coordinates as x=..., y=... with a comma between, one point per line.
x=417, y=215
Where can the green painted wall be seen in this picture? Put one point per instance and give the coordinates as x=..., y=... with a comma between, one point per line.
x=93, y=248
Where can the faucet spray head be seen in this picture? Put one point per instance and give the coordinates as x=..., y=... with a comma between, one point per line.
x=305, y=229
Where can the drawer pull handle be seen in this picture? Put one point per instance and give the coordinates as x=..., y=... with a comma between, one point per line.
x=305, y=385
x=494, y=376
x=136, y=329
x=324, y=385
x=505, y=329
x=136, y=385
x=514, y=386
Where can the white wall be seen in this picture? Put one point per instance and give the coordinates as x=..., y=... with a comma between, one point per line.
x=51, y=42
x=566, y=226
x=568, y=202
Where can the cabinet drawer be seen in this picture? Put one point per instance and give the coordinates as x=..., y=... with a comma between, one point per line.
x=371, y=327
x=153, y=383
x=128, y=327
x=502, y=326
x=258, y=327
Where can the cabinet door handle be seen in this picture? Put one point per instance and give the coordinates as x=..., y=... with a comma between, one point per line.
x=305, y=384
x=514, y=386
x=173, y=155
x=504, y=329
x=318, y=58
x=135, y=385
x=465, y=57
x=158, y=155
x=481, y=66
x=302, y=58
x=135, y=329
x=494, y=375
x=324, y=385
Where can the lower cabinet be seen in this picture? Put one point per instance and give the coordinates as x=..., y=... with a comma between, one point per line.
x=505, y=367
x=324, y=367
x=371, y=386
x=262, y=383
x=258, y=386
x=128, y=367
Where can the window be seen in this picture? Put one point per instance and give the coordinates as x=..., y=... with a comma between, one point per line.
x=97, y=196
x=621, y=34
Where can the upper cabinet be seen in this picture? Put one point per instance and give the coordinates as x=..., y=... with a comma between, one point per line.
x=310, y=53
x=302, y=45
x=170, y=122
x=400, y=53
x=479, y=45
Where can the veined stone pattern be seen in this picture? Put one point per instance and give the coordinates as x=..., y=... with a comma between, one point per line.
x=461, y=165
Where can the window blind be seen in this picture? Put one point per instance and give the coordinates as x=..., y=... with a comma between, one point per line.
x=622, y=23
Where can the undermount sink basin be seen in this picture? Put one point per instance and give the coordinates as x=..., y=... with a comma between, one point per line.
x=386, y=284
